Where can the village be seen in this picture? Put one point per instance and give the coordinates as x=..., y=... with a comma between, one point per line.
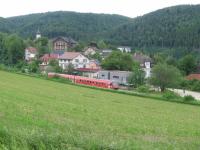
x=81, y=63
x=99, y=75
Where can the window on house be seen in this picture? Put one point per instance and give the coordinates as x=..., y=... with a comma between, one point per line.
x=84, y=60
x=76, y=60
x=115, y=77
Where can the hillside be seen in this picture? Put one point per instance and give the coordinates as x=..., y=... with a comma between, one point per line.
x=172, y=27
x=80, y=26
x=41, y=114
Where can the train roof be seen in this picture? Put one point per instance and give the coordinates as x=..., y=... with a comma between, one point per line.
x=86, y=78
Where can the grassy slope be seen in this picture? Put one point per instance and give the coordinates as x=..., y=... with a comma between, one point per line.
x=36, y=113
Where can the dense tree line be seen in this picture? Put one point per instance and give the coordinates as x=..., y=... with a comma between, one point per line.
x=11, y=49
x=173, y=27
x=80, y=26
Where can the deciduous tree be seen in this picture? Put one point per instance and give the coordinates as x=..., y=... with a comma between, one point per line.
x=164, y=76
x=118, y=61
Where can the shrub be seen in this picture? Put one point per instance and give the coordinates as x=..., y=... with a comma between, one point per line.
x=193, y=85
x=196, y=86
x=2, y=67
x=143, y=89
x=189, y=98
x=169, y=95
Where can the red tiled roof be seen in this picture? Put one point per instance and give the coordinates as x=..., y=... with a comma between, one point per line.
x=87, y=70
x=47, y=57
x=69, y=55
x=193, y=76
x=32, y=49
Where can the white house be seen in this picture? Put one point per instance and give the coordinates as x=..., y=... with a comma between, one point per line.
x=30, y=53
x=145, y=63
x=105, y=52
x=90, y=50
x=76, y=59
x=124, y=49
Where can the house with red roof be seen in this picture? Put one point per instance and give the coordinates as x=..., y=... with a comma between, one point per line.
x=193, y=77
x=47, y=57
x=30, y=53
x=76, y=59
x=93, y=64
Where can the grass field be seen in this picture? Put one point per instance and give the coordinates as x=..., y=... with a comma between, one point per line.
x=42, y=114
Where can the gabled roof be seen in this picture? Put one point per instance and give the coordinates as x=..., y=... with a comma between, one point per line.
x=66, y=39
x=32, y=50
x=90, y=47
x=69, y=55
x=47, y=57
x=193, y=76
x=141, y=58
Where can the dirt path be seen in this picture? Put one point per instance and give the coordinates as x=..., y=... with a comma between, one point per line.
x=196, y=95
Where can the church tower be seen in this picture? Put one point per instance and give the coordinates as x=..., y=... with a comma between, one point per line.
x=38, y=34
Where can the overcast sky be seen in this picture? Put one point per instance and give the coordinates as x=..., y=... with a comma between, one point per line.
x=131, y=8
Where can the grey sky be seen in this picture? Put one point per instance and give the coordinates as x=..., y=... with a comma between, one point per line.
x=131, y=8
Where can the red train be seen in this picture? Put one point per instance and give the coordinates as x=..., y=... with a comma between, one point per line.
x=87, y=81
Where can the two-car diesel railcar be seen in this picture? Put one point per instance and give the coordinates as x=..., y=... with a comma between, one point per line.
x=87, y=81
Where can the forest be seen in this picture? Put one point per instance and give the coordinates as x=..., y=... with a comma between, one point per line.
x=174, y=27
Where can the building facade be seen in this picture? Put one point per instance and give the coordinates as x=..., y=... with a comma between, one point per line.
x=105, y=53
x=124, y=49
x=46, y=58
x=120, y=77
x=145, y=63
x=76, y=59
x=88, y=72
x=38, y=35
x=30, y=53
x=90, y=50
x=63, y=43
x=93, y=64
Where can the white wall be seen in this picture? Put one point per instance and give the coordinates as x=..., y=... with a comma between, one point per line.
x=90, y=51
x=78, y=62
x=127, y=50
x=147, y=69
x=29, y=55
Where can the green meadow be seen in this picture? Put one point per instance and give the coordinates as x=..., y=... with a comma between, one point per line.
x=41, y=114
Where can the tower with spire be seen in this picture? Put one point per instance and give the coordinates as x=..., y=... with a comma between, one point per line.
x=38, y=34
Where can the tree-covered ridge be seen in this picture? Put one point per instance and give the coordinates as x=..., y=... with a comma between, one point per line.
x=171, y=27
x=80, y=26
